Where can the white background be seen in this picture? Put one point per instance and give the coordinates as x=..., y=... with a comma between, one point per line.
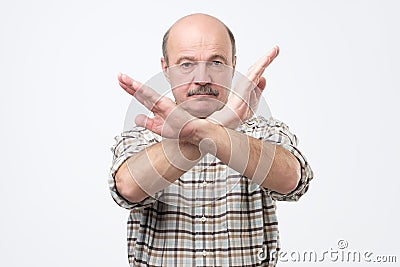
x=334, y=84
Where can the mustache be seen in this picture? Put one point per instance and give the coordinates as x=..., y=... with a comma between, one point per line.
x=203, y=90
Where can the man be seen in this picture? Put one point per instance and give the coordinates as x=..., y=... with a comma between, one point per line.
x=202, y=175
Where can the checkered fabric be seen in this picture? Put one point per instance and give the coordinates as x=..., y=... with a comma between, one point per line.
x=210, y=216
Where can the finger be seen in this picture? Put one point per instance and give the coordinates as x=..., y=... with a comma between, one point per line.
x=126, y=88
x=128, y=84
x=268, y=58
x=143, y=121
x=147, y=97
x=128, y=81
x=259, y=67
x=143, y=93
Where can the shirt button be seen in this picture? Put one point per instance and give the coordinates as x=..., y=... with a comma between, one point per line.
x=204, y=253
x=204, y=184
x=204, y=218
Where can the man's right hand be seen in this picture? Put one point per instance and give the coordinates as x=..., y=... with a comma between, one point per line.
x=169, y=121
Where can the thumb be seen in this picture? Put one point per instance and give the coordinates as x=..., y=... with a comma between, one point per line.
x=262, y=83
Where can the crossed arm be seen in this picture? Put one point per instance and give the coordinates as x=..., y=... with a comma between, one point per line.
x=189, y=138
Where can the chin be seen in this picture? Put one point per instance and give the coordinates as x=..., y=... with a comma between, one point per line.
x=201, y=114
x=202, y=109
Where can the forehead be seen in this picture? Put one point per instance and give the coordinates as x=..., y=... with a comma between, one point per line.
x=201, y=40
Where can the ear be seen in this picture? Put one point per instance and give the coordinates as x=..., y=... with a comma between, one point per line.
x=233, y=65
x=164, y=67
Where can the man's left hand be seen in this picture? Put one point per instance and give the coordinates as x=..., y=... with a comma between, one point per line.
x=244, y=99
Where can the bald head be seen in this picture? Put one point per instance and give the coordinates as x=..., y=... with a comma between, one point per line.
x=197, y=26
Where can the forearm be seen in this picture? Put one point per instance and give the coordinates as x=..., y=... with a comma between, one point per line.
x=154, y=168
x=269, y=165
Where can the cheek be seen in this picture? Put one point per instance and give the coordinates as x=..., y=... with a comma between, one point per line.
x=223, y=94
x=180, y=93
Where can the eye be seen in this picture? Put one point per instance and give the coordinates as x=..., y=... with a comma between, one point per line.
x=186, y=65
x=217, y=63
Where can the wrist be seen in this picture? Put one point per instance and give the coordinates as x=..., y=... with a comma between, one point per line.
x=227, y=117
x=203, y=130
x=207, y=136
x=196, y=130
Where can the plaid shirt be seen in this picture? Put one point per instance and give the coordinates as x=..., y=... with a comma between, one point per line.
x=210, y=216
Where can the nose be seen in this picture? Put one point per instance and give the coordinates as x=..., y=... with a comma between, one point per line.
x=202, y=74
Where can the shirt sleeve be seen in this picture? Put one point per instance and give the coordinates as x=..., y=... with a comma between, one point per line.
x=277, y=132
x=126, y=145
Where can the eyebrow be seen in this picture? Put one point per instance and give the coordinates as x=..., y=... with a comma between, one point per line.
x=212, y=58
